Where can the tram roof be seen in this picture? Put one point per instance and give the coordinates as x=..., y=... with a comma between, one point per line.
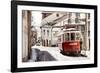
x=70, y=30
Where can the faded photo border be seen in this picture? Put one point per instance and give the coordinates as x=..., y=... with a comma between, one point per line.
x=16, y=36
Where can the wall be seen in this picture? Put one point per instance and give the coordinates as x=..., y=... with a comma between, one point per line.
x=5, y=37
x=26, y=23
x=25, y=36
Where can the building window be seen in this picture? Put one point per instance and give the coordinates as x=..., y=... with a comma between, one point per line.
x=44, y=32
x=88, y=15
x=48, y=32
x=69, y=20
x=77, y=15
x=88, y=25
x=77, y=20
x=49, y=42
x=88, y=33
x=69, y=17
x=83, y=28
x=88, y=22
x=44, y=42
x=70, y=14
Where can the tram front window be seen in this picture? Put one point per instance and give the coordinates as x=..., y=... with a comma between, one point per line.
x=72, y=36
x=77, y=36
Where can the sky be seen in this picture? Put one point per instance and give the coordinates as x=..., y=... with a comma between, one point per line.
x=36, y=21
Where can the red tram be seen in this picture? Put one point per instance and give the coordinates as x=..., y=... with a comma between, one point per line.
x=69, y=41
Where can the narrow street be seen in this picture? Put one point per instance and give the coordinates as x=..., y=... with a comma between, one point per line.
x=40, y=53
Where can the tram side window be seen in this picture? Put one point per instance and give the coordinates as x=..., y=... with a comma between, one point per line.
x=72, y=36
x=66, y=37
